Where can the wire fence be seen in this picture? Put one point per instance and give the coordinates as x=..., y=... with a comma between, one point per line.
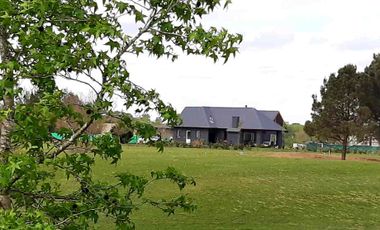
x=323, y=147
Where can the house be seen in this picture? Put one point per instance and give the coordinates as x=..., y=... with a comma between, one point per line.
x=107, y=127
x=165, y=132
x=235, y=126
x=274, y=116
x=369, y=141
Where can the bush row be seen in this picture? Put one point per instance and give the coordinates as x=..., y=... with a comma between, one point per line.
x=200, y=144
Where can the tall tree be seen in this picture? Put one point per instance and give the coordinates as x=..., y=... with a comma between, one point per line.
x=83, y=41
x=370, y=96
x=336, y=117
x=309, y=128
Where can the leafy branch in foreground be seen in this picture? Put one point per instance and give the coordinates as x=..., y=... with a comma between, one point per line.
x=83, y=42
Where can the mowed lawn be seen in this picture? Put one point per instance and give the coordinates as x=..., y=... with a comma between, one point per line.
x=251, y=190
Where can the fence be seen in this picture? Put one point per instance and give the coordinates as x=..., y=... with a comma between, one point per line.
x=323, y=147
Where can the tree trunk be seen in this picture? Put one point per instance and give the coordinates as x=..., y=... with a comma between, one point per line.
x=8, y=105
x=345, y=144
x=5, y=138
x=5, y=202
x=8, y=99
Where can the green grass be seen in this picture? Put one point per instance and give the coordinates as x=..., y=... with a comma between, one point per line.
x=237, y=190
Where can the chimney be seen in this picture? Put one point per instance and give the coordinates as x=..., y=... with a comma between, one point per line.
x=246, y=106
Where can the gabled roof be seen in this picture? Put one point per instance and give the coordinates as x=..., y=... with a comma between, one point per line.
x=270, y=114
x=273, y=115
x=221, y=117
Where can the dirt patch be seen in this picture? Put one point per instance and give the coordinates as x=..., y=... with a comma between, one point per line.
x=370, y=159
x=319, y=156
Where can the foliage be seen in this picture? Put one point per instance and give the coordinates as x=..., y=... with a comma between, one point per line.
x=336, y=116
x=309, y=128
x=295, y=134
x=42, y=41
x=370, y=96
x=220, y=145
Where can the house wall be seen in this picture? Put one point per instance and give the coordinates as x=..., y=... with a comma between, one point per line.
x=260, y=136
x=266, y=135
x=370, y=141
x=279, y=120
x=280, y=139
x=248, y=137
x=166, y=133
x=217, y=135
x=233, y=138
x=182, y=134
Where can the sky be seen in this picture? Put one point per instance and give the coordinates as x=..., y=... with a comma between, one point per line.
x=289, y=47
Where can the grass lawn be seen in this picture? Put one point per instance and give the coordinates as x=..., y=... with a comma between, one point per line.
x=250, y=190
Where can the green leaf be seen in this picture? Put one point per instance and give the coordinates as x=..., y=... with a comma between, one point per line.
x=139, y=16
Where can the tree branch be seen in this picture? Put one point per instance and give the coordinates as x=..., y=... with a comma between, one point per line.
x=44, y=195
x=77, y=214
x=80, y=81
x=139, y=4
x=72, y=139
x=167, y=33
x=92, y=78
x=143, y=30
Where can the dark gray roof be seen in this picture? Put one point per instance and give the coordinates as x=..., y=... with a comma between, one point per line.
x=221, y=117
x=270, y=114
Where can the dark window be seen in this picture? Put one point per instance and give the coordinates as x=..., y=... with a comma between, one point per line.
x=235, y=122
x=247, y=137
x=188, y=134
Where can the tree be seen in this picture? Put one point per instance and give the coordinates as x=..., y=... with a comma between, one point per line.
x=83, y=42
x=336, y=117
x=370, y=96
x=295, y=134
x=80, y=109
x=309, y=129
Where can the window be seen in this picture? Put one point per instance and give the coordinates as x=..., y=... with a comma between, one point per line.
x=273, y=139
x=198, y=134
x=178, y=133
x=235, y=122
x=188, y=134
x=247, y=137
x=211, y=120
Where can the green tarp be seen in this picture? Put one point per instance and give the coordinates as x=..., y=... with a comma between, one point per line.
x=315, y=147
x=57, y=136
x=134, y=139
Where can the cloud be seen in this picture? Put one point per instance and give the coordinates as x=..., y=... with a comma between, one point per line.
x=289, y=4
x=129, y=25
x=317, y=40
x=309, y=23
x=359, y=44
x=289, y=46
x=267, y=70
x=271, y=40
